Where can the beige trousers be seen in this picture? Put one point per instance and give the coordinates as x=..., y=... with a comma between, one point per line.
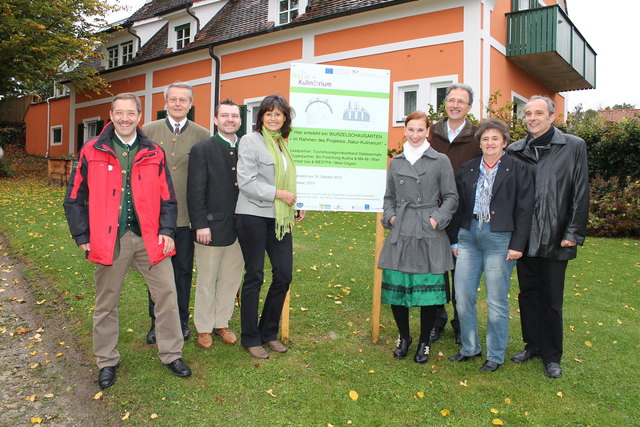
x=109, y=280
x=219, y=276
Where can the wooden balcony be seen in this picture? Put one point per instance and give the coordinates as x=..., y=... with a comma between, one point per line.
x=545, y=43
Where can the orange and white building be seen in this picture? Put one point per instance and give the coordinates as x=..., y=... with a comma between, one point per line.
x=243, y=49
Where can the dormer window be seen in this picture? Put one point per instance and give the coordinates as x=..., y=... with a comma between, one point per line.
x=119, y=54
x=287, y=11
x=183, y=36
x=112, y=56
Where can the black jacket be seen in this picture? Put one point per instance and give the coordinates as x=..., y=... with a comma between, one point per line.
x=212, y=189
x=562, y=195
x=512, y=199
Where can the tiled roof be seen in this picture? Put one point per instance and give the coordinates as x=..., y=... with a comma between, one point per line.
x=157, y=7
x=618, y=115
x=325, y=8
x=156, y=47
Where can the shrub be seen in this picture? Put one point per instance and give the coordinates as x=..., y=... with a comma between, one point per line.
x=614, y=209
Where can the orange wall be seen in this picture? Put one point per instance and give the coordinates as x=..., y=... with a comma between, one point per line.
x=37, y=131
x=410, y=28
x=255, y=86
x=272, y=54
x=192, y=71
x=499, y=21
x=130, y=84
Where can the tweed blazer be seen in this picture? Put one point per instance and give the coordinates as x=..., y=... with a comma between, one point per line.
x=256, y=177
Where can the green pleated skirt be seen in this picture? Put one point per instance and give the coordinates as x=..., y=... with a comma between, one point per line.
x=413, y=289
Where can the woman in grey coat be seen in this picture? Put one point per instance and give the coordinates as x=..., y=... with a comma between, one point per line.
x=419, y=202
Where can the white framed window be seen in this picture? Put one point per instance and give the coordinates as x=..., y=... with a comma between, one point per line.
x=253, y=104
x=112, y=56
x=126, y=51
x=90, y=128
x=284, y=11
x=183, y=35
x=412, y=95
x=527, y=4
x=60, y=90
x=56, y=135
x=519, y=102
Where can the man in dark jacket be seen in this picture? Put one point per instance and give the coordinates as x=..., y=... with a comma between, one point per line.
x=559, y=225
x=123, y=177
x=454, y=137
x=212, y=193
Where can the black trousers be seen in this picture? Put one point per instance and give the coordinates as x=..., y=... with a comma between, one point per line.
x=257, y=235
x=182, y=263
x=541, y=295
x=441, y=314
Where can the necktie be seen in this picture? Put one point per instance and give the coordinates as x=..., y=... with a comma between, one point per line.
x=176, y=131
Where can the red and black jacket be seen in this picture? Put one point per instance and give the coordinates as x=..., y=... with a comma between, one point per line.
x=92, y=203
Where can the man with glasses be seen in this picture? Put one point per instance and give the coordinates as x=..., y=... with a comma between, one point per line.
x=454, y=137
x=176, y=135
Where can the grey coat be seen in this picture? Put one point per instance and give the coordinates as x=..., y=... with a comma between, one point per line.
x=415, y=193
x=256, y=177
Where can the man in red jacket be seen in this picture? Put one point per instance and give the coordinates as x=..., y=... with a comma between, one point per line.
x=122, y=176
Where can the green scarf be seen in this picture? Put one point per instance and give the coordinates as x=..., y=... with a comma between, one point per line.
x=285, y=215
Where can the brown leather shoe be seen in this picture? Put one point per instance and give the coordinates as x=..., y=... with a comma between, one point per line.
x=258, y=352
x=277, y=346
x=227, y=335
x=205, y=341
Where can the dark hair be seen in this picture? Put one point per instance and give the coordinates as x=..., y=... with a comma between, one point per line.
x=270, y=103
x=417, y=115
x=488, y=124
x=130, y=96
x=225, y=102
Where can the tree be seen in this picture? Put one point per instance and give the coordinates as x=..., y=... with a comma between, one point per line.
x=42, y=41
x=623, y=106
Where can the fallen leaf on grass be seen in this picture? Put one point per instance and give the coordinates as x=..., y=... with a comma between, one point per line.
x=353, y=395
x=560, y=394
x=372, y=371
x=154, y=416
x=577, y=360
x=97, y=396
x=445, y=412
x=21, y=331
x=48, y=395
x=125, y=416
x=41, y=302
x=31, y=398
x=507, y=401
x=36, y=420
x=270, y=393
x=420, y=394
x=59, y=355
x=588, y=344
x=464, y=383
x=497, y=422
x=304, y=309
x=494, y=411
x=34, y=366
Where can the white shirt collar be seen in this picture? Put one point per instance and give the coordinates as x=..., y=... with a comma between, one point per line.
x=129, y=143
x=173, y=122
x=452, y=134
x=231, y=143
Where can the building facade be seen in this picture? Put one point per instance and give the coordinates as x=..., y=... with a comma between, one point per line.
x=243, y=49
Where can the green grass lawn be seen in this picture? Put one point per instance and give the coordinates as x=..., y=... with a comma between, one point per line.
x=331, y=352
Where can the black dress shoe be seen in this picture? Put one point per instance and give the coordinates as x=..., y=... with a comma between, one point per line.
x=107, y=376
x=462, y=358
x=523, y=356
x=435, y=334
x=422, y=354
x=458, y=339
x=186, y=332
x=179, y=368
x=151, y=335
x=553, y=370
x=402, y=347
x=489, y=366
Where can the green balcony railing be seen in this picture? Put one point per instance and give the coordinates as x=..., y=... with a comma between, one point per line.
x=538, y=38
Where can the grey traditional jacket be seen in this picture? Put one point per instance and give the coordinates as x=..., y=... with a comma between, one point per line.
x=415, y=193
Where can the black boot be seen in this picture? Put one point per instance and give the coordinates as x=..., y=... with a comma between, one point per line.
x=151, y=335
x=402, y=347
x=422, y=354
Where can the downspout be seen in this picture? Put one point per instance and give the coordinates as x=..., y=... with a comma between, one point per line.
x=136, y=36
x=216, y=82
x=193, y=15
x=46, y=154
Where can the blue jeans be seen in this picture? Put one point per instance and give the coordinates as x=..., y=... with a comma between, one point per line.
x=480, y=250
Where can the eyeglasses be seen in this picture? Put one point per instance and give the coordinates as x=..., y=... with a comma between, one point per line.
x=455, y=101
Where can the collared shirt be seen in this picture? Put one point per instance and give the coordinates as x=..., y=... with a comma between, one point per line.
x=232, y=144
x=130, y=142
x=452, y=134
x=174, y=123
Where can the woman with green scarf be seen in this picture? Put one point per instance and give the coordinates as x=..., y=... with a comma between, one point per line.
x=265, y=216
